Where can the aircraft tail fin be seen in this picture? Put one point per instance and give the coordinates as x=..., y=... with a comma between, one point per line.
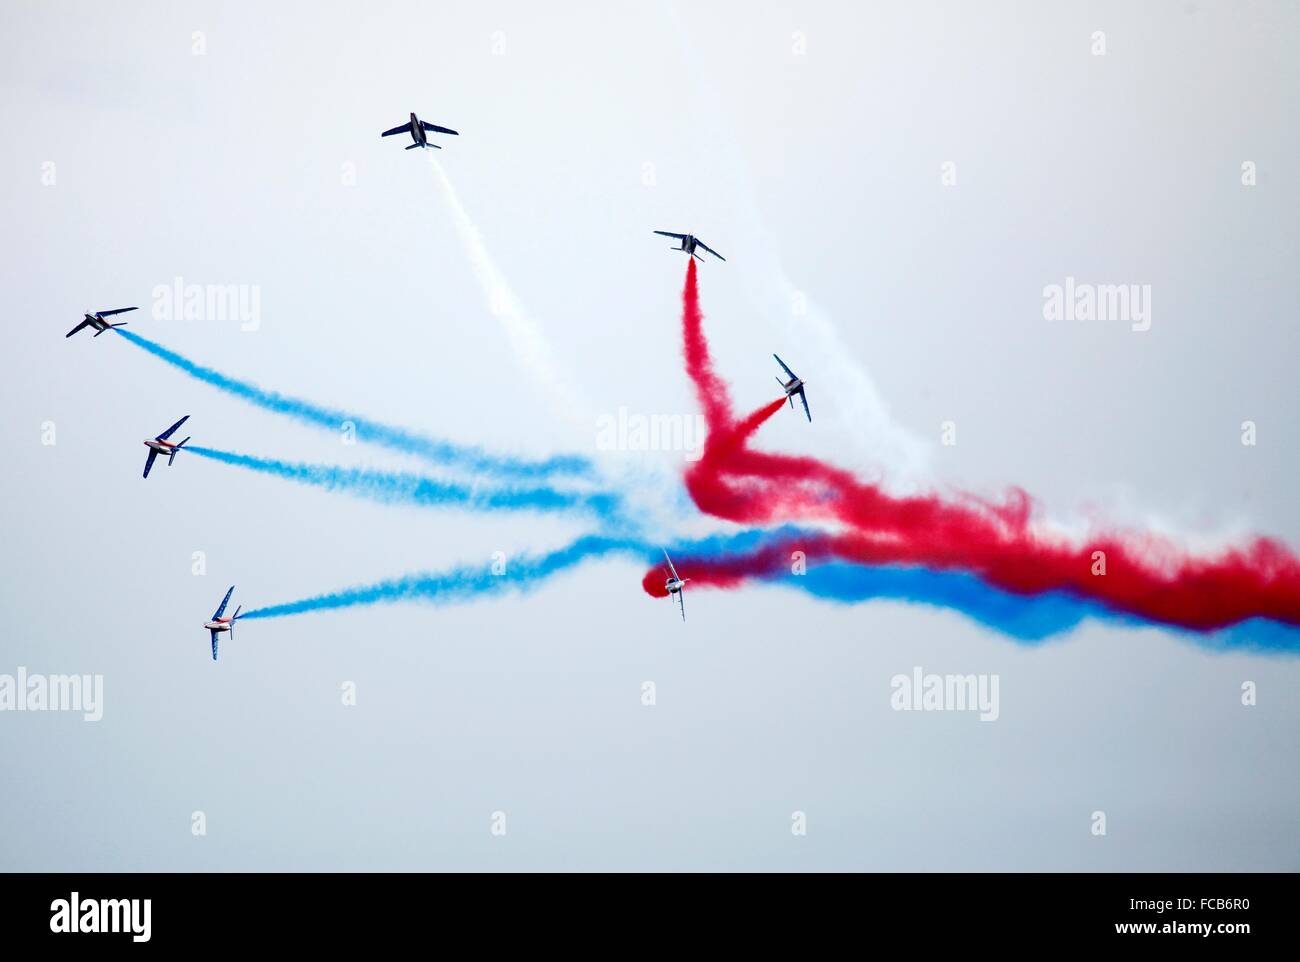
x=172, y=456
x=412, y=147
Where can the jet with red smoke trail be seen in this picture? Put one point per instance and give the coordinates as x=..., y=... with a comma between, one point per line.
x=792, y=387
x=675, y=585
x=688, y=244
x=1000, y=544
x=418, y=128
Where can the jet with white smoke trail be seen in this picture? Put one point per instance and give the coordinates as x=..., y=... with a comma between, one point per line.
x=419, y=131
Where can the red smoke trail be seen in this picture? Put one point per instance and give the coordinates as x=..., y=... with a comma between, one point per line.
x=1261, y=580
x=710, y=389
x=729, y=571
x=1145, y=576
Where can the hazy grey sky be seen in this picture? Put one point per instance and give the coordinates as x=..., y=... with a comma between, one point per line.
x=237, y=143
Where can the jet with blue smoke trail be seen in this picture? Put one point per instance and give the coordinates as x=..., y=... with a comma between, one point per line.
x=218, y=624
x=437, y=451
x=97, y=323
x=401, y=487
x=160, y=445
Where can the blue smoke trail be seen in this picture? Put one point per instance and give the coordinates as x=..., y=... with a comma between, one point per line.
x=1026, y=619
x=1029, y=619
x=521, y=574
x=1023, y=617
x=371, y=432
x=392, y=487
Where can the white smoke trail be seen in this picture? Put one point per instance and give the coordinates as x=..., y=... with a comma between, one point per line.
x=531, y=349
x=654, y=495
x=859, y=411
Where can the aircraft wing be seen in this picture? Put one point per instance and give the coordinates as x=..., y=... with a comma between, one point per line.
x=172, y=430
x=222, y=607
x=786, y=369
x=681, y=600
x=665, y=233
x=149, y=461
x=214, y=645
x=436, y=129
x=403, y=129
x=709, y=249
x=77, y=328
x=119, y=310
x=670, y=564
x=804, y=397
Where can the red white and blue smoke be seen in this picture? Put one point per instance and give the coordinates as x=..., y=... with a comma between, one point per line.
x=1124, y=575
x=803, y=524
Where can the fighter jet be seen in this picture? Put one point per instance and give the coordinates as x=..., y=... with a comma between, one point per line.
x=689, y=243
x=218, y=624
x=792, y=387
x=160, y=445
x=97, y=321
x=675, y=584
x=417, y=129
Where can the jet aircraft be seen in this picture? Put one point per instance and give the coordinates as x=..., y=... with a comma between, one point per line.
x=219, y=624
x=688, y=244
x=792, y=387
x=96, y=321
x=418, y=129
x=675, y=584
x=160, y=445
